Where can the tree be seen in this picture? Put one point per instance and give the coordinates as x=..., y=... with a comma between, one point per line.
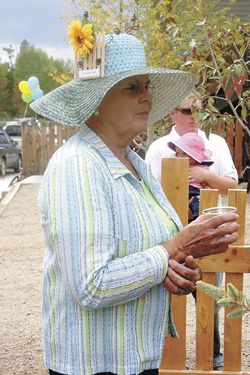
x=4, y=95
x=190, y=35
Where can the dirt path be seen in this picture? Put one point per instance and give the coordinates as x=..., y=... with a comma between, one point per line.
x=21, y=254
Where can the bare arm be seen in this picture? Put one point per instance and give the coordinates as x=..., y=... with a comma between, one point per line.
x=207, y=177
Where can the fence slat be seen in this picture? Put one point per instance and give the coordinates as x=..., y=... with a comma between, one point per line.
x=233, y=331
x=238, y=148
x=205, y=327
x=175, y=178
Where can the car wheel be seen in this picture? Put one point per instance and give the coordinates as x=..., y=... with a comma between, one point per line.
x=2, y=167
x=18, y=165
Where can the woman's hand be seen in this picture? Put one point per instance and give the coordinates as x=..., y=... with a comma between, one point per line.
x=204, y=236
x=181, y=278
x=198, y=174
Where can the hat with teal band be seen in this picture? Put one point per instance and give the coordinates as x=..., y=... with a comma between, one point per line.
x=74, y=102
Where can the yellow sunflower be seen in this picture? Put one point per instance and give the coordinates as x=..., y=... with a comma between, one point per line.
x=81, y=37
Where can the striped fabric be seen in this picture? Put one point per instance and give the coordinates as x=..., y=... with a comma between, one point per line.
x=104, y=306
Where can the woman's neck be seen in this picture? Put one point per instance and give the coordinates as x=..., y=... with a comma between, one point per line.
x=113, y=142
x=117, y=143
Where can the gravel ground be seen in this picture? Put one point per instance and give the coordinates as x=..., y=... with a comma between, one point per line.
x=21, y=254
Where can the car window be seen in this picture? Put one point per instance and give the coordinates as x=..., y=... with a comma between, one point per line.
x=3, y=139
x=13, y=130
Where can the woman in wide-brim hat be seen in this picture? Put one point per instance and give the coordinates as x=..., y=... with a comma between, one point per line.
x=112, y=248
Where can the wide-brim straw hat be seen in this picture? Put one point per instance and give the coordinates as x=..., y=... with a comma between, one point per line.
x=74, y=102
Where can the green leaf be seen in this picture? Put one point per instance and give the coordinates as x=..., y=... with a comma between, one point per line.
x=232, y=291
x=237, y=313
x=243, y=111
x=226, y=302
x=210, y=289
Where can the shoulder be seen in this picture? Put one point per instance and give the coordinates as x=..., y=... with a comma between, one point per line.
x=213, y=138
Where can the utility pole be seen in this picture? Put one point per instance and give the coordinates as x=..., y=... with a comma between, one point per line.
x=10, y=52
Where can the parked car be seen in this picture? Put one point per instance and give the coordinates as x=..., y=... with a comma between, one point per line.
x=13, y=129
x=10, y=156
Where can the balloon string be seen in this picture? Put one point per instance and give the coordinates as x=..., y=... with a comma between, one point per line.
x=25, y=110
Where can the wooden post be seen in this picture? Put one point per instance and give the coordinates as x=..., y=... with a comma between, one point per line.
x=204, y=304
x=233, y=327
x=175, y=185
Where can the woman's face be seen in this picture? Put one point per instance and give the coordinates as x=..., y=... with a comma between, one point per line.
x=125, y=108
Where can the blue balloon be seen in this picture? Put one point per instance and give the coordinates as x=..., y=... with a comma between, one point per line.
x=37, y=94
x=33, y=82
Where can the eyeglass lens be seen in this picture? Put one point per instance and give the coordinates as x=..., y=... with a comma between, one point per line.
x=137, y=88
x=185, y=111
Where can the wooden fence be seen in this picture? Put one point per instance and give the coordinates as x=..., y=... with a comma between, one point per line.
x=39, y=142
x=234, y=263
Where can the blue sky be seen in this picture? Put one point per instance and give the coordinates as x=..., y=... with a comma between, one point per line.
x=36, y=21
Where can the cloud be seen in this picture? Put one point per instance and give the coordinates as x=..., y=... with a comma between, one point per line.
x=36, y=21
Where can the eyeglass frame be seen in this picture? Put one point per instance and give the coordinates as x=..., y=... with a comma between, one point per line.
x=185, y=111
x=139, y=88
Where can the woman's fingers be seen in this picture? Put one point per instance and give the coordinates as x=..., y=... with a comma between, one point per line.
x=204, y=236
x=217, y=220
x=181, y=278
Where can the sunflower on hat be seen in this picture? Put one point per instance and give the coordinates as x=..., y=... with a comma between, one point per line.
x=81, y=37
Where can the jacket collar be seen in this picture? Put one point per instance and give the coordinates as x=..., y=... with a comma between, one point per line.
x=116, y=167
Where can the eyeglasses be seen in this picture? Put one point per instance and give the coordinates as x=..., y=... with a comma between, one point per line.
x=137, y=88
x=185, y=111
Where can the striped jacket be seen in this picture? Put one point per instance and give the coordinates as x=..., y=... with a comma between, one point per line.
x=104, y=305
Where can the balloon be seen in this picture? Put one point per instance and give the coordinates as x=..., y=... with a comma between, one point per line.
x=37, y=94
x=24, y=88
x=33, y=82
x=27, y=98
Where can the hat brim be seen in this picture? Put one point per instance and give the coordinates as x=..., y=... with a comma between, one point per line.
x=190, y=152
x=74, y=102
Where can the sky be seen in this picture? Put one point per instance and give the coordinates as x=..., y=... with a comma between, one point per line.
x=38, y=22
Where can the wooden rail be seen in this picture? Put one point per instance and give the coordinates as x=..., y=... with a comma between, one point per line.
x=234, y=263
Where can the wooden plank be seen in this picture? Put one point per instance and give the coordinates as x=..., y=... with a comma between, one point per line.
x=174, y=353
x=205, y=327
x=208, y=198
x=174, y=180
x=43, y=148
x=34, y=158
x=238, y=149
x=51, y=142
x=236, y=259
x=26, y=149
x=237, y=198
x=59, y=136
x=201, y=372
x=175, y=185
x=233, y=331
x=230, y=132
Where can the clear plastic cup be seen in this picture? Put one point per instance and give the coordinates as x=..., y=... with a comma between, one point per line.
x=219, y=210
x=213, y=211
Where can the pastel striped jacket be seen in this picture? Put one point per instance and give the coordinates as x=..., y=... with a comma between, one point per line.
x=104, y=305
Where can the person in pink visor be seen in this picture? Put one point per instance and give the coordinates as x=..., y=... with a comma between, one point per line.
x=191, y=145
